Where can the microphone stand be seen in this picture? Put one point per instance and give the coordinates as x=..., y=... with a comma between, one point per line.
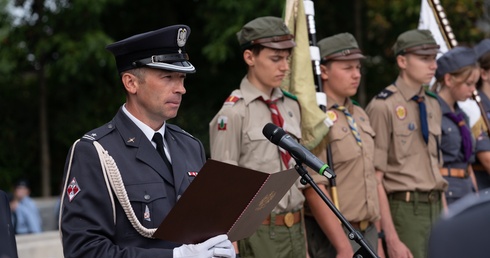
x=365, y=250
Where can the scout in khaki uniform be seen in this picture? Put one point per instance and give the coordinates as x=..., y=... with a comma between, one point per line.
x=407, y=122
x=236, y=133
x=457, y=74
x=352, y=148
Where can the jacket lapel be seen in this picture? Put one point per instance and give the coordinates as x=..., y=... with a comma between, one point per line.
x=174, y=147
x=146, y=153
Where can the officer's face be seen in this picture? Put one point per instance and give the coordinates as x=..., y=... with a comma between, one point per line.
x=156, y=96
x=341, y=78
x=462, y=86
x=418, y=68
x=268, y=68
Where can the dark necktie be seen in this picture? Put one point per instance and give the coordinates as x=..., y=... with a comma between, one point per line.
x=158, y=139
x=423, y=117
x=465, y=133
x=279, y=121
x=351, y=121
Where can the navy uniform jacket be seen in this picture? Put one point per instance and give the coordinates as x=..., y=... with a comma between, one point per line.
x=87, y=224
x=463, y=230
x=8, y=247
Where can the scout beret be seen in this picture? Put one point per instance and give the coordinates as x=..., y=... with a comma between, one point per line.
x=482, y=48
x=267, y=31
x=160, y=49
x=342, y=46
x=22, y=183
x=419, y=42
x=454, y=60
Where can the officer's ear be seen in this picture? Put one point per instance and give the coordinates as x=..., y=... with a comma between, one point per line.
x=130, y=82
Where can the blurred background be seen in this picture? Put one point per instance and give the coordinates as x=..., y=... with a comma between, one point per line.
x=57, y=81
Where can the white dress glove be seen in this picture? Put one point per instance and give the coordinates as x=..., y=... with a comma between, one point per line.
x=218, y=246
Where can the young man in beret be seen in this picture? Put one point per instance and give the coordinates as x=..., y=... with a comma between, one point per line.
x=236, y=133
x=351, y=147
x=407, y=121
x=151, y=158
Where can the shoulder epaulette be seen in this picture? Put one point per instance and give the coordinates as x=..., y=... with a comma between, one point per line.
x=177, y=129
x=355, y=102
x=384, y=94
x=289, y=95
x=100, y=132
x=235, y=96
x=431, y=94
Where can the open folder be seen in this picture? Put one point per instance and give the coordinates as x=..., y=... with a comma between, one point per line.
x=224, y=199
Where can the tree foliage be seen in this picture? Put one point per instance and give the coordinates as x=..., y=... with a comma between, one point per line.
x=57, y=46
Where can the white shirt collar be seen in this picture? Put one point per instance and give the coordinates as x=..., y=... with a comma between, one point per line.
x=143, y=127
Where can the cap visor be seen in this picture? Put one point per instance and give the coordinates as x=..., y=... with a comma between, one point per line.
x=349, y=57
x=183, y=66
x=425, y=52
x=280, y=44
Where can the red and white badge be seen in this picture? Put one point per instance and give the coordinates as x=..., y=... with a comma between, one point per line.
x=192, y=173
x=73, y=189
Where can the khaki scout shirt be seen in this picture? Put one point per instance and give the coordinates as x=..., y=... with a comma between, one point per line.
x=408, y=163
x=236, y=136
x=353, y=165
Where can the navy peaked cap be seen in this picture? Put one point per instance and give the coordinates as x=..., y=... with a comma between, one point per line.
x=160, y=49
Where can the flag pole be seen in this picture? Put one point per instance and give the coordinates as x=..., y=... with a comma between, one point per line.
x=314, y=52
x=443, y=23
x=320, y=95
x=476, y=97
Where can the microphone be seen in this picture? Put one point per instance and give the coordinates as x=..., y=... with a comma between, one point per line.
x=279, y=137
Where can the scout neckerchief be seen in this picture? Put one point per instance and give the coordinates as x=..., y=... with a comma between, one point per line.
x=279, y=121
x=458, y=119
x=351, y=122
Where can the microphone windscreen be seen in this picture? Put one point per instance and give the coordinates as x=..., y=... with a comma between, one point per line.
x=273, y=133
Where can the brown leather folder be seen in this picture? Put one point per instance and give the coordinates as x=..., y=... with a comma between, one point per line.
x=224, y=199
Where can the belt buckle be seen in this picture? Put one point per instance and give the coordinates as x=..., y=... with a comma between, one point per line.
x=363, y=225
x=432, y=196
x=289, y=219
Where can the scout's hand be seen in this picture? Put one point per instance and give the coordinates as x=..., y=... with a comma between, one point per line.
x=218, y=246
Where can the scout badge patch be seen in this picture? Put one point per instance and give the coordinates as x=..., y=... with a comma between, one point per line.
x=222, y=120
x=401, y=112
x=332, y=115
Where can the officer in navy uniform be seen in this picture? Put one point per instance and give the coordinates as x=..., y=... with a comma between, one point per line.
x=7, y=234
x=462, y=231
x=122, y=179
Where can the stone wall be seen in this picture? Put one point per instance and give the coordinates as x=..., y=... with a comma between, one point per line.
x=44, y=245
x=48, y=243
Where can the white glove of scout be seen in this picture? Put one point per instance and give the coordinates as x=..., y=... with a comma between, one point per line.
x=218, y=246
